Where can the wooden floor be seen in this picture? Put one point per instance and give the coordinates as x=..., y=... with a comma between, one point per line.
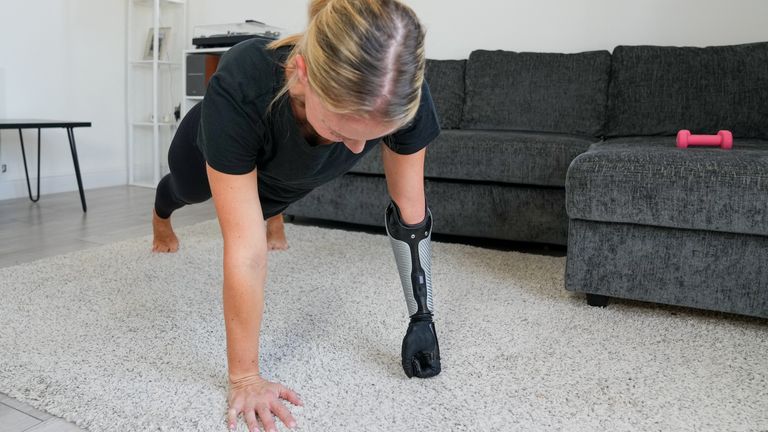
x=56, y=225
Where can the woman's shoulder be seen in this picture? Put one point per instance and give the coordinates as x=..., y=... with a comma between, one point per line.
x=253, y=52
x=251, y=68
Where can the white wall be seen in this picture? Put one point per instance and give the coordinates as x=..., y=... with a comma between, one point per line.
x=455, y=28
x=2, y=93
x=66, y=58
x=63, y=59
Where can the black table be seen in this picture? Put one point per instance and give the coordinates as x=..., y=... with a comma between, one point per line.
x=46, y=124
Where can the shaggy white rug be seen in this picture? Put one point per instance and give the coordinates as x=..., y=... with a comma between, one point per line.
x=118, y=339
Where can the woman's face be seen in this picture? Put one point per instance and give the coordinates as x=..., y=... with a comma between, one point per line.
x=350, y=130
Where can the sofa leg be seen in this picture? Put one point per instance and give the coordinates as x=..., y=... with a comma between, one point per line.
x=597, y=300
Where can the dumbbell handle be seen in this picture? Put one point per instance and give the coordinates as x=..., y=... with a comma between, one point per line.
x=705, y=140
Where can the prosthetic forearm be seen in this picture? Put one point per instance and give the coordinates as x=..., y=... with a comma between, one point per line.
x=413, y=255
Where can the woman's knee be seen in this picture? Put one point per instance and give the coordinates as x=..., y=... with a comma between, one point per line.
x=194, y=195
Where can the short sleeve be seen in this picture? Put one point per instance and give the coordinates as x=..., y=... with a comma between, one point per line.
x=230, y=131
x=424, y=127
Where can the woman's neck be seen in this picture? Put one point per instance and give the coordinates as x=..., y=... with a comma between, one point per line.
x=298, y=107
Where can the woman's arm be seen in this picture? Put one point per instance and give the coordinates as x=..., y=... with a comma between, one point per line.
x=405, y=182
x=245, y=269
x=409, y=226
x=245, y=266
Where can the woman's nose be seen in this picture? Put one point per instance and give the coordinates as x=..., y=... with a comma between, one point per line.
x=355, y=146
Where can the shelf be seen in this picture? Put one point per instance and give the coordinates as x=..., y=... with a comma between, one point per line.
x=160, y=62
x=152, y=86
x=206, y=50
x=152, y=3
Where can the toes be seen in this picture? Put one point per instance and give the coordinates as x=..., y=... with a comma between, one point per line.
x=160, y=248
x=277, y=246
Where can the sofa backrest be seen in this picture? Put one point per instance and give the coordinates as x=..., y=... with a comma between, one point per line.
x=545, y=92
x=658, y=90
x=446, y=84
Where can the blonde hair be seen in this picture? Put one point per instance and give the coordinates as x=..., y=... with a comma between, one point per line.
x=363, y=57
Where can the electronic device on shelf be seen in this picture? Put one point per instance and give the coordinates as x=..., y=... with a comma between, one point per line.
x=227, y=35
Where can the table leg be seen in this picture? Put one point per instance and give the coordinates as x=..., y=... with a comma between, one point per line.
x=26, y=170
x=71, y=136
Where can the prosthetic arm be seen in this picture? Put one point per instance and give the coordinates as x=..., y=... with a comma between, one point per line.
x=413, y=254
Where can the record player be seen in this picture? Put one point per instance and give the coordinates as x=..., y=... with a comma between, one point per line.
x=227, y=35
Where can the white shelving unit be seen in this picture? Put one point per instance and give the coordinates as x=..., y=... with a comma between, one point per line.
x=152, y=84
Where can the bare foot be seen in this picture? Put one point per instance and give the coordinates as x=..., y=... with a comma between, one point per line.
x=165, y=239
x=276, y=233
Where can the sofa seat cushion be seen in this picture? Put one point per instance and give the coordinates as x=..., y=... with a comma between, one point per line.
x=494, y=156
x=648, y=181
x=496, y=211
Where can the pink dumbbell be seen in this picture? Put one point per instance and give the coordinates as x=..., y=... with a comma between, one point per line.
x=723, y=139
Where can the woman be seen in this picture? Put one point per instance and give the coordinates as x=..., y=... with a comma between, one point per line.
x=277, y=122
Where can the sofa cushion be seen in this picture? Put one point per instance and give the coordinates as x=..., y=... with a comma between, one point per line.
x=648, y=181
x=659, y=90
x=446, y=83
x=493, y=156
x=561, y=93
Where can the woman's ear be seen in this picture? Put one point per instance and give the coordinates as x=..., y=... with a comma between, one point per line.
x=301, y=68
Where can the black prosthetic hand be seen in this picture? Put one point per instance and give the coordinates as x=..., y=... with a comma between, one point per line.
x=421, y=353
x=413, y=254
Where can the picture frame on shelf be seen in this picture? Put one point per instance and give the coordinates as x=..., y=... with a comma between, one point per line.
x=163, y=38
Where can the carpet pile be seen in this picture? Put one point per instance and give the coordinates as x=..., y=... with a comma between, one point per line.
x=117, y=338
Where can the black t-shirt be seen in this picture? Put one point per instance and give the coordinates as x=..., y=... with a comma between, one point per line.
x=238, y=134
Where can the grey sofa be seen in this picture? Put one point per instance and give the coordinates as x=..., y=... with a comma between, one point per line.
x=511, y=125
x=652, y=222
x=643, y=220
